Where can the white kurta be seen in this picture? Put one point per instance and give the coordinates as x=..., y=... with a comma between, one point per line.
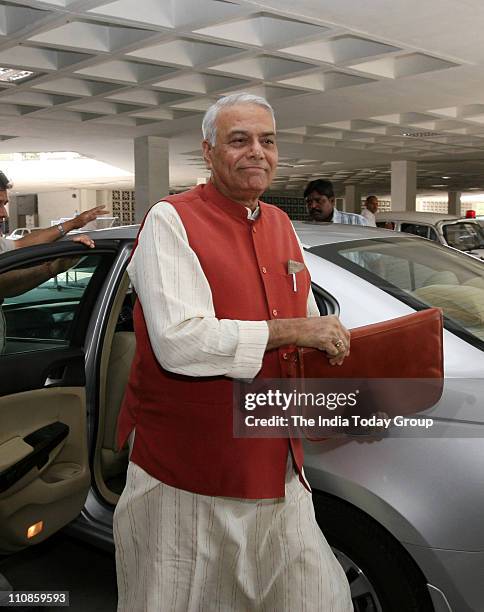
x=178, y=551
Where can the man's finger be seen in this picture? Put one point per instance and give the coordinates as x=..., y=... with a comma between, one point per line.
x=85, y=240
x=330, y=349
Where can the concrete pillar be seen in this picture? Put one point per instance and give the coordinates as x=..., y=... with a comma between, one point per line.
x=151, y=172
x=352, y=199
x=454, y=203
x=404, y=185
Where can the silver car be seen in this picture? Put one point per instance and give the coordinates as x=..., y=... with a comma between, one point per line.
x=450, y=230
x=403, y=514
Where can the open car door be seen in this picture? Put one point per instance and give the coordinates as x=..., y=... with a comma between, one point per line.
x=49, y=296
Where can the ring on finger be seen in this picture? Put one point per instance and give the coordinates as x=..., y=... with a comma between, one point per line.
x=339, y=343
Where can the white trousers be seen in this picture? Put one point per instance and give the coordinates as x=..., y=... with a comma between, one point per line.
x=178, y=551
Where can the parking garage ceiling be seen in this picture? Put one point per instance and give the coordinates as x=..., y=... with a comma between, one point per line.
x=354, y=85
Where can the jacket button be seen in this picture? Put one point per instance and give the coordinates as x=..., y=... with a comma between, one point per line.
x=264, y=270
x=274, y=312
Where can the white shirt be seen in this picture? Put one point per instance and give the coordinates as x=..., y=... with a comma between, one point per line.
x=6, y=245
x=184, y=332
x=369, y=216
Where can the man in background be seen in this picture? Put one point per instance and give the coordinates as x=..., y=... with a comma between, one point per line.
x=319, y=198
x=371, y=204
x=49, y=234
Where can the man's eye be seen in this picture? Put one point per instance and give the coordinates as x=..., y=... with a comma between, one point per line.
x=268, y=141
x=238, y=140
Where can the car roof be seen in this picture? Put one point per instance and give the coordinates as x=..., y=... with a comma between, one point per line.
x=313, y=233
x=123, y=232
x=424, y=217
x=310, y=233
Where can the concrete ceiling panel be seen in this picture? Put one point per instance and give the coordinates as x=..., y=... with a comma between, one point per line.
x=74, y=87
x=145, y=97
x=169, y=13
x=153, y=11
x=93, y=37
x=340, y=49
x=271, y=92
x=324, y=81
x=263, y=30
x=35, y=99
x=197, y=83
x=128, y=72
x=263, y=67
x=403, y=65
x=185, y=52
x=197, y=104
x=14, y=19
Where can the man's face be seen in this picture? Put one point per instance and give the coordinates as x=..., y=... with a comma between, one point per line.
x=243, y=160
x=372, y=205
x=320, y=207
x=3, y=203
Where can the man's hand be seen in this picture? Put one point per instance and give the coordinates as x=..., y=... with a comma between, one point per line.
x=89, y=242
x=324, y=333
x=51, y=234
x=86, y=216
x=57, y=266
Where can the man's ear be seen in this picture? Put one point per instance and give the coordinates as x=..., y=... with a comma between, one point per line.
x=207, y=150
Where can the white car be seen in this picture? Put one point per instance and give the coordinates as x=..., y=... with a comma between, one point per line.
x=20, y=232
x=403, y=514
x=450, y=230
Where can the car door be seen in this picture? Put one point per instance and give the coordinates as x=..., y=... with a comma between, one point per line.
x=50, y=294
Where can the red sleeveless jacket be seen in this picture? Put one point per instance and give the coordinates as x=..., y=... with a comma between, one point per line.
x=183, y=424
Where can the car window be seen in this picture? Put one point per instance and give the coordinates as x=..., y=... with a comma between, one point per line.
x=41, y=303
x=422, y=274
x=416, y=229
x=433, y=235
x=464, y=236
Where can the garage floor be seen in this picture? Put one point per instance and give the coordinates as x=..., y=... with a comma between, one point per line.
x=65, y=564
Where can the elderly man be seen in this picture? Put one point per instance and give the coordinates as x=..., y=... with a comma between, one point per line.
x=319, y=198
x=370, y=210
x=208, y=521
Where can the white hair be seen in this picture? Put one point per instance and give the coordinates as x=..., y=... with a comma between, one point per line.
x=209, y=129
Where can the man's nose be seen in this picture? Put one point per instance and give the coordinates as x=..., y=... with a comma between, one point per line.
x=256, y=149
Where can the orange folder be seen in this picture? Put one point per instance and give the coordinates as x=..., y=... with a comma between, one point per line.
x=406, y=351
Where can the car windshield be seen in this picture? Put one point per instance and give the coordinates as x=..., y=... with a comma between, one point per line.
x=464, y=236
x=421, y=274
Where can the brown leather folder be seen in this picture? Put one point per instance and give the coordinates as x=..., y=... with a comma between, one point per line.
x=406, y=351
x=407, y=347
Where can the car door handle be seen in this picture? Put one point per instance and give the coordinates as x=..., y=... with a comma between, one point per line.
x=55, y=377
x=42, y=441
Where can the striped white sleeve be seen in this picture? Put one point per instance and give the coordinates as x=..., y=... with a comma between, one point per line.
x=185, y=335
x=312, y=309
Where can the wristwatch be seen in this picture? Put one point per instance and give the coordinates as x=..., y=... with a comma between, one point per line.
x=61, y=229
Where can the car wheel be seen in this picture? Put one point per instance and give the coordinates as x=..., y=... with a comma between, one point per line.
x=382, y=575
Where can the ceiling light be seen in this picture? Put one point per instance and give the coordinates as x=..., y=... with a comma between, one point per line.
x=420, y=134
x=12, y=75
x=445, y=177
